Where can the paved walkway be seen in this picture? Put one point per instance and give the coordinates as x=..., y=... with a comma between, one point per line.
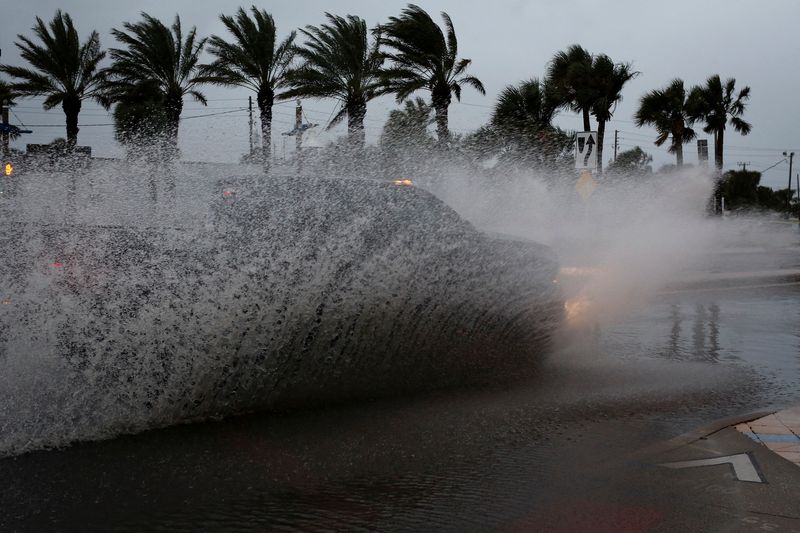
x=780, y=432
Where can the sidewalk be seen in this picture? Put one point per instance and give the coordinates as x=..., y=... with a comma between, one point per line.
x=780, y=432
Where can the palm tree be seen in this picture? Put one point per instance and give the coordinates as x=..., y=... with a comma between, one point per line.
x=607, y=81
x=665, y=109
x=160, y=57
x=423, y=58
x=408, y=126
x=569, y=74
x=405, y=143
x=139, y=118
x=525, y=108
x=339, y=62
x=64, y=69
x=6, y=100
x=254, y=60
x=6, y=94
x=522, y=123
x=717, y=105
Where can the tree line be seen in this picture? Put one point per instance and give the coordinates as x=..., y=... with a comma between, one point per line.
x=154, y=67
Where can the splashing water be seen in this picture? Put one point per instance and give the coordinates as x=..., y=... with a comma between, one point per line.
x=142, y=299
x=627, y=241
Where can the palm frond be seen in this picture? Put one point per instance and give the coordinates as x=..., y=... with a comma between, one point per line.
x=423, y=56
x=337, y=118
x=157, y=54
x=741, y=126
x=473, y=82
x=339, y=61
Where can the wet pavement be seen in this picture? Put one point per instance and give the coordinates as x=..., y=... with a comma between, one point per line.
x=579, y=448
x=618, y=431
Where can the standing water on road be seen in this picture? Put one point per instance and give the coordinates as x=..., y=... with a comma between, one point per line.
x=142, y=315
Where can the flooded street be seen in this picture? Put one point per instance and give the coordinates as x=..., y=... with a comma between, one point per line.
x=499, y=458
x=665, y=347
x=263, y=268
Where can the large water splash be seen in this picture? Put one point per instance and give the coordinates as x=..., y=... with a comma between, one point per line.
x=131, y=303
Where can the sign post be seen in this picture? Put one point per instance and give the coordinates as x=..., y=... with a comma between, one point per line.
x=585, y=161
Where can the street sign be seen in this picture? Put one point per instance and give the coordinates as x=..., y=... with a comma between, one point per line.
x=586, y=149
x=585, y=185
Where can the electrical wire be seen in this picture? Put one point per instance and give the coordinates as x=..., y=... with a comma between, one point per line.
x=111, y=123
x=775, y=165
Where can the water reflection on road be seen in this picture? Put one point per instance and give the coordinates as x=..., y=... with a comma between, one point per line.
x=758, y=328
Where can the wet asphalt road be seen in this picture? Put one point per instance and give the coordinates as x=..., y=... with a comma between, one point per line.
x=561, y=453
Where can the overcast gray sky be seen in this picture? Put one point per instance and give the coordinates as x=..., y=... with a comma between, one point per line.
x=508, y=40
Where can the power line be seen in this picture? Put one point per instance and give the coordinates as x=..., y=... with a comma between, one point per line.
x=215, y=114
x=63, y=125
x=775, y=165
x=111, y=123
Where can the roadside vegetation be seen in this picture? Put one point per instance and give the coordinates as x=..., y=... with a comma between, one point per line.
x=153, y=67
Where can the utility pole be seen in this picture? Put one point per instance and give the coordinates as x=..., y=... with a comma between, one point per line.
x=250, y=107
x=298, y=128
x=744, y=164
x=616, y=144
x=797, y=181
x=790, y=155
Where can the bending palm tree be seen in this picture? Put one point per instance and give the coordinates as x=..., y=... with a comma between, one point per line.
x=522, y=119
x=408, y=126
x=526, y=108
x=607, y=81
x=717, y=105
x=160, y=57
x=339, y=62
x=252, y=61
x=64, y=69
x=423, y=58
x=139, y=118
x=405, y=142
x=569, y=74
x=665, y=109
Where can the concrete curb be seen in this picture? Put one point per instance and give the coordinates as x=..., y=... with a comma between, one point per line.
x=697, y=434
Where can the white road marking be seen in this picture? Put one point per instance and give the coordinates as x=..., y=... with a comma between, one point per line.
x=742, y=465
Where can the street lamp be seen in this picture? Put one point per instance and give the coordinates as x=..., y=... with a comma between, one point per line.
x=790, y=155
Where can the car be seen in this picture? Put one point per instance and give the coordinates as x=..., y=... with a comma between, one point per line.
x=303, y=291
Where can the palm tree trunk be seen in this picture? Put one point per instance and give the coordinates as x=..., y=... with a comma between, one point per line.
x=440, y=99
x=601, y=132
x=71, y=107
x=173, y=105
x=587, y=126
x=266, y=98
x=678, y=141
x=355, y=122
x=718, y=138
